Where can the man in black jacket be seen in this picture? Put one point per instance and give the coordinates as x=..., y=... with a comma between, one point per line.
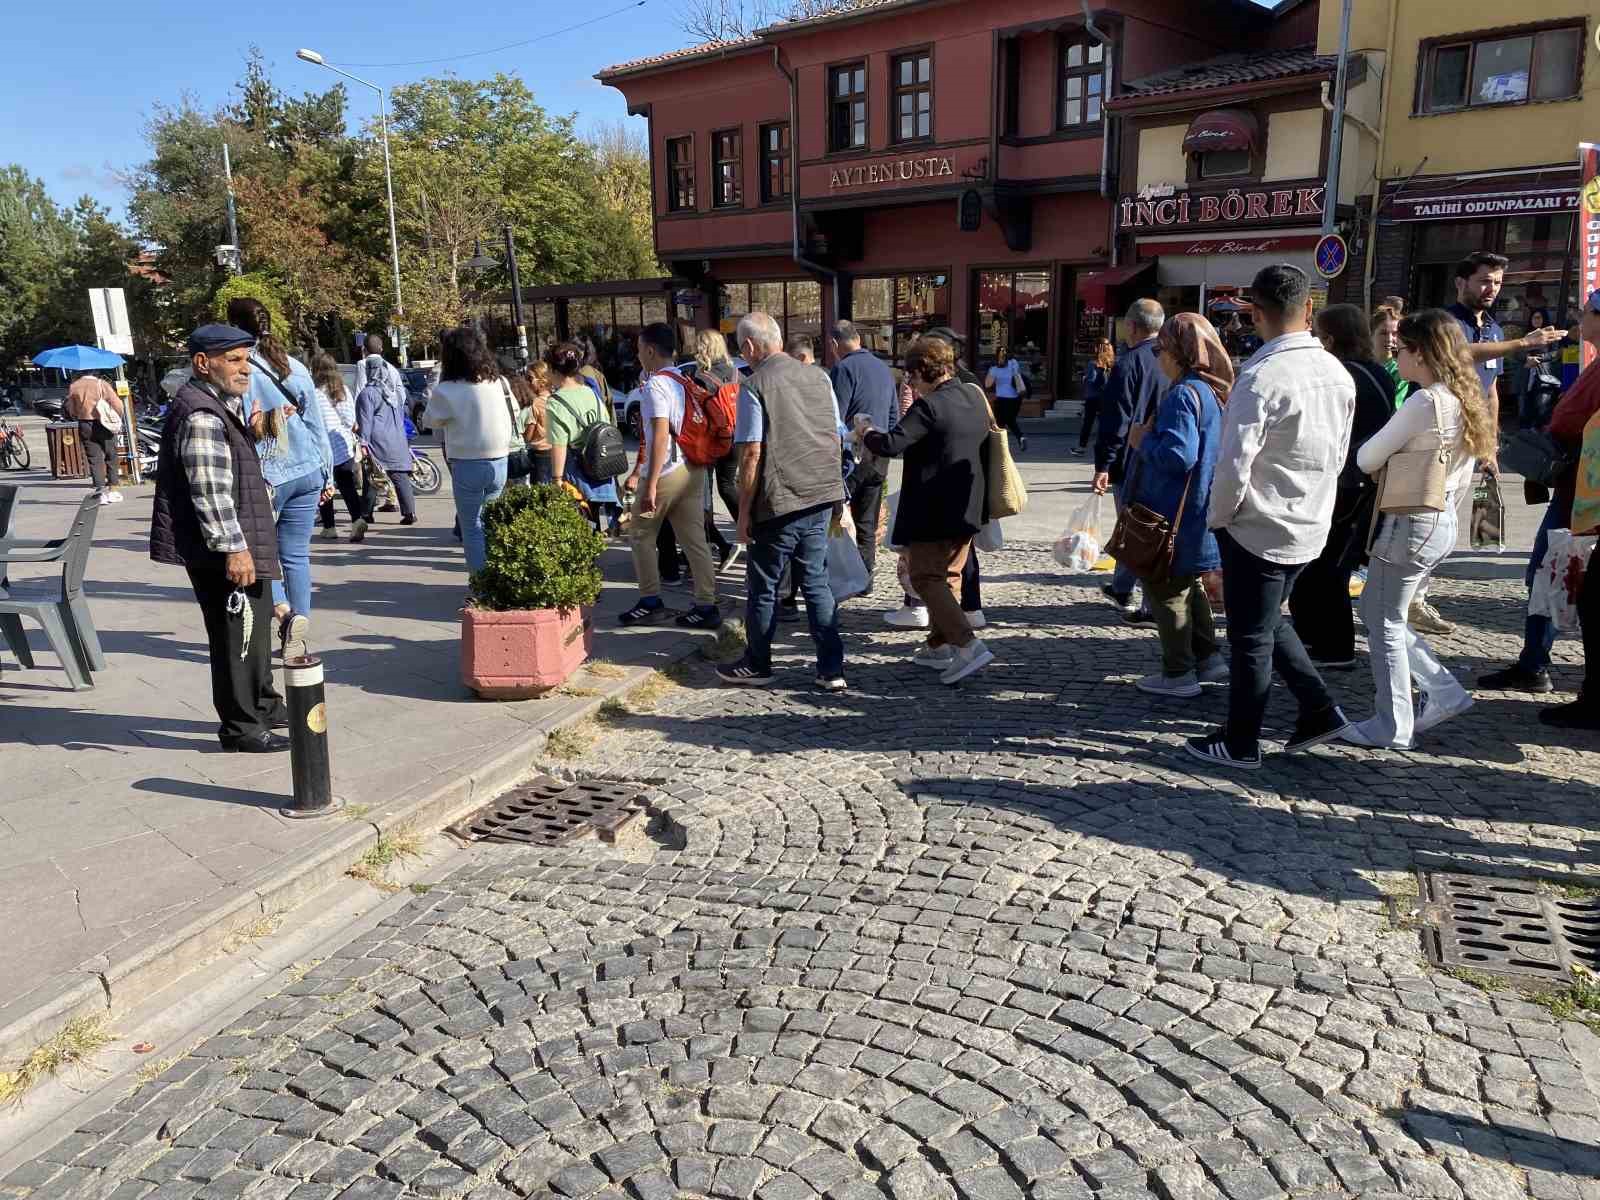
x=1131, y=397
x=214, y=518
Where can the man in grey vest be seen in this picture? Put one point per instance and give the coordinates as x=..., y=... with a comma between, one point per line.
x=787, y=436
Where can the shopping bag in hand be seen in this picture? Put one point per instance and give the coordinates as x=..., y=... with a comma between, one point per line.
x=1079, y=548
x=1559, y=579
x=1488, y=514
x=847, y=573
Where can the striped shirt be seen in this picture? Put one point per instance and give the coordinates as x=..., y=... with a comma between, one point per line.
x=208, y=466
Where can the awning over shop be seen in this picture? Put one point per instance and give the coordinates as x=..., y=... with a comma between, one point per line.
x=1094, y=286
x=1222, y=129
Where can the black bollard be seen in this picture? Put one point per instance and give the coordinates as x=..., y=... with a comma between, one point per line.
x=308, y=739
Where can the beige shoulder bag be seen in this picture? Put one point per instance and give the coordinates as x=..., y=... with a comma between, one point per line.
x=1413, y=481
x=1008, y=495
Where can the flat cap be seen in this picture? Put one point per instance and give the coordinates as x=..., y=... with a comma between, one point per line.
x=214, y=339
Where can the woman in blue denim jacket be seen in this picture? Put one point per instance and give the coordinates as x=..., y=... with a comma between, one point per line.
x=297, y=463
x=1179, y=451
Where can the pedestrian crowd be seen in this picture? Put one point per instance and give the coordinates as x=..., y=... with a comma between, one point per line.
x=1343, y=445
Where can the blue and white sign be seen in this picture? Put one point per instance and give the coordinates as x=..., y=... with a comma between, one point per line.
x=1331, y=256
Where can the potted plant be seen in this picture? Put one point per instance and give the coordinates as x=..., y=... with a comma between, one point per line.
x=525, y=628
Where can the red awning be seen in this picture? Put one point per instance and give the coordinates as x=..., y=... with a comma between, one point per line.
x=1222, y=129
x=1094, y=286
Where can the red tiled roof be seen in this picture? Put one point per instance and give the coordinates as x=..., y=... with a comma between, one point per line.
x=843, y=8
x=704, y=50
x=1230, y=70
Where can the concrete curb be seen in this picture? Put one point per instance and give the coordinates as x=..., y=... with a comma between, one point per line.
x=108, y=986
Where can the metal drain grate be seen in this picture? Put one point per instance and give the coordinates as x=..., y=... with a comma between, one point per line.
x=551, y=812
x=1507, y=927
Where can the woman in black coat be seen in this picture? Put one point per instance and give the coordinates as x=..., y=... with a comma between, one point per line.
x=943, y=498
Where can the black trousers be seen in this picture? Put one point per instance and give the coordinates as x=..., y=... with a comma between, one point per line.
x=1006, y=411
x=100, y=447
x=1091, y=410
x=1320, y=605
x=1261, y=640
x=356, y=502
x=242, y=690
x=866, y=505
x=725, y=476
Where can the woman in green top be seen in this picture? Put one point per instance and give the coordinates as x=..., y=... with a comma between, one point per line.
x=1386, y=348
x=572, y=408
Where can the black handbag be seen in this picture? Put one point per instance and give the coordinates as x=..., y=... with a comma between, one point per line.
x=1536, y=456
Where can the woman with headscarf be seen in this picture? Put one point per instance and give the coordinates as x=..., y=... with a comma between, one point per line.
x=1172, y=476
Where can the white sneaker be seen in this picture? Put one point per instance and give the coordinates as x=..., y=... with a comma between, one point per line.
x=113, y=498
x=973, y=658
x=1432, y=713
x=1213, y=670
x=329, y=534
x=940, y=659
x=909, y=617
x=1179, y=687
x=976, y=619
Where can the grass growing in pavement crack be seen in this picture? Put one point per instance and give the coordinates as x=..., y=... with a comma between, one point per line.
x=76, y=1041
x=1580, y=1001
x=1478, y=979
x=601, y=669
x=572, y=741
x=263, y=926
x=373, y=866
x=150, y=1070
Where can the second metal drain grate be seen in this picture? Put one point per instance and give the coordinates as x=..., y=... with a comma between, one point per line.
x=1508, y=927
x=550, y=812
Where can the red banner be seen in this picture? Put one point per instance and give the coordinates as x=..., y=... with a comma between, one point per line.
x=1588, y=233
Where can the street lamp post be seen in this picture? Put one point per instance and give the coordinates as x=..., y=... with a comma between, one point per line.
x=311, y=56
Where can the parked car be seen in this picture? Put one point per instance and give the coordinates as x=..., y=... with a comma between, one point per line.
x=626, y=404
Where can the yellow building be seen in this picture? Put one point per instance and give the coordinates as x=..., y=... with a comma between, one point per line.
x=1472, y=119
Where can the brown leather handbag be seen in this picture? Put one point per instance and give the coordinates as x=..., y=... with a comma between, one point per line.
x=1144, y=541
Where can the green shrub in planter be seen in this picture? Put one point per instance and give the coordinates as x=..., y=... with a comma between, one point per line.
x=540, y=552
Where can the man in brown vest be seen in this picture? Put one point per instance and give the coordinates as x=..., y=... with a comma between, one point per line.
x=213, y=517
x=790, y=487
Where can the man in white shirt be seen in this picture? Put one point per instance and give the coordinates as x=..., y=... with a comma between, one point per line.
x=1285, y=432
x=667, y=489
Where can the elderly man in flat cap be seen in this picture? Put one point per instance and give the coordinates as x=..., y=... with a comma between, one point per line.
x=213, y=517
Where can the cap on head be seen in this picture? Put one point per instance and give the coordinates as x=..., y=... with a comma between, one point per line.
x=218, y=339
x=1592, y=304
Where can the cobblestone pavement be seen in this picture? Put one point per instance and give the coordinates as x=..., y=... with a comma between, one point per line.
x=988, y=943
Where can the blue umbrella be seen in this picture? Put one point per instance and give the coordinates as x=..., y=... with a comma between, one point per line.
x=78, y=358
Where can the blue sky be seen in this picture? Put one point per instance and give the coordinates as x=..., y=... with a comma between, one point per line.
x=75, y=115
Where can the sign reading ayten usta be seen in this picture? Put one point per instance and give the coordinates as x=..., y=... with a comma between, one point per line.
x=893, y=170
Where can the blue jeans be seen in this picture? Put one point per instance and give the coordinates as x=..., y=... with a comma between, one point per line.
x=1123, y=580
x=475, y=481
x=294, y=505
x=1539, y=633
x=803, y=538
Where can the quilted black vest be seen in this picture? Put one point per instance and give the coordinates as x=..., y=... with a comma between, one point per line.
x=175, y=535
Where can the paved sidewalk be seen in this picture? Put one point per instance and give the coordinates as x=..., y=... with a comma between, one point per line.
x=122, y=824
x=903, y=942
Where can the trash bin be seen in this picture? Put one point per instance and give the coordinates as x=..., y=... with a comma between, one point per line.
x=67, y=459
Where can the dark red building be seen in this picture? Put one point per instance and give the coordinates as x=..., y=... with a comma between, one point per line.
x=913, y=163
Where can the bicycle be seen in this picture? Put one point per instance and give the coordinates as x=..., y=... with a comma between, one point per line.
x=14, y=453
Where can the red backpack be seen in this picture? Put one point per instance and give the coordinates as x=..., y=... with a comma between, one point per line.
x=706, y=435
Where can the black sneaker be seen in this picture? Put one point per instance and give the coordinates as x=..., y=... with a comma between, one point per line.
x=1122, y=600
x=1138, y=616
x=644, y=612
x=1315, y=728
x=265, y=742
x=1214, y=749
x=1517, y=678
x=1580, y=714
x=742, y=674
x=701, y=616
x=411, y=520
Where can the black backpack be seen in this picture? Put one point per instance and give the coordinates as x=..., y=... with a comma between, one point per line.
x=601, y=452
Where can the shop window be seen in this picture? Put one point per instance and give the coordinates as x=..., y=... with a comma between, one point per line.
x=1014, y=311
x=727, y=178
x=795, y=304
x=1538, y=266
x=1082, y=83
x=1541, y=64
x=892, y=311
x=1220, y=164
x=911, y=98
x=680, y=174
x=775, y=154
x=847, y=107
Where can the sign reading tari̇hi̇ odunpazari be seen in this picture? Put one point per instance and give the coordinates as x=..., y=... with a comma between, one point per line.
x=894, y=170
x=1167, y=207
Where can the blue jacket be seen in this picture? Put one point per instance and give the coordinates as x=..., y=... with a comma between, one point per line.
x=1186, y=437
x=1132, y=393
x=308, y=450
x=381, y=424
x=863, y=383
x=1094, y=383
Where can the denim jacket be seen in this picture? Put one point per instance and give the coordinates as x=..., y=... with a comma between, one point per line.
x=308, y=450
x=1185, y=437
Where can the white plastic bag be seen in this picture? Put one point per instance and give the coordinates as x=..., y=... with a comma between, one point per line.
x=1079, y=548
x=847, y=573
x=1559, y=579
x=989, y=538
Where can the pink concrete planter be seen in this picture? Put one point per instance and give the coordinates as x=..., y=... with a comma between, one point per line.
x=522, y=653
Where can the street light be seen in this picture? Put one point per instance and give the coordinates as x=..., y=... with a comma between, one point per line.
x=315, y=59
